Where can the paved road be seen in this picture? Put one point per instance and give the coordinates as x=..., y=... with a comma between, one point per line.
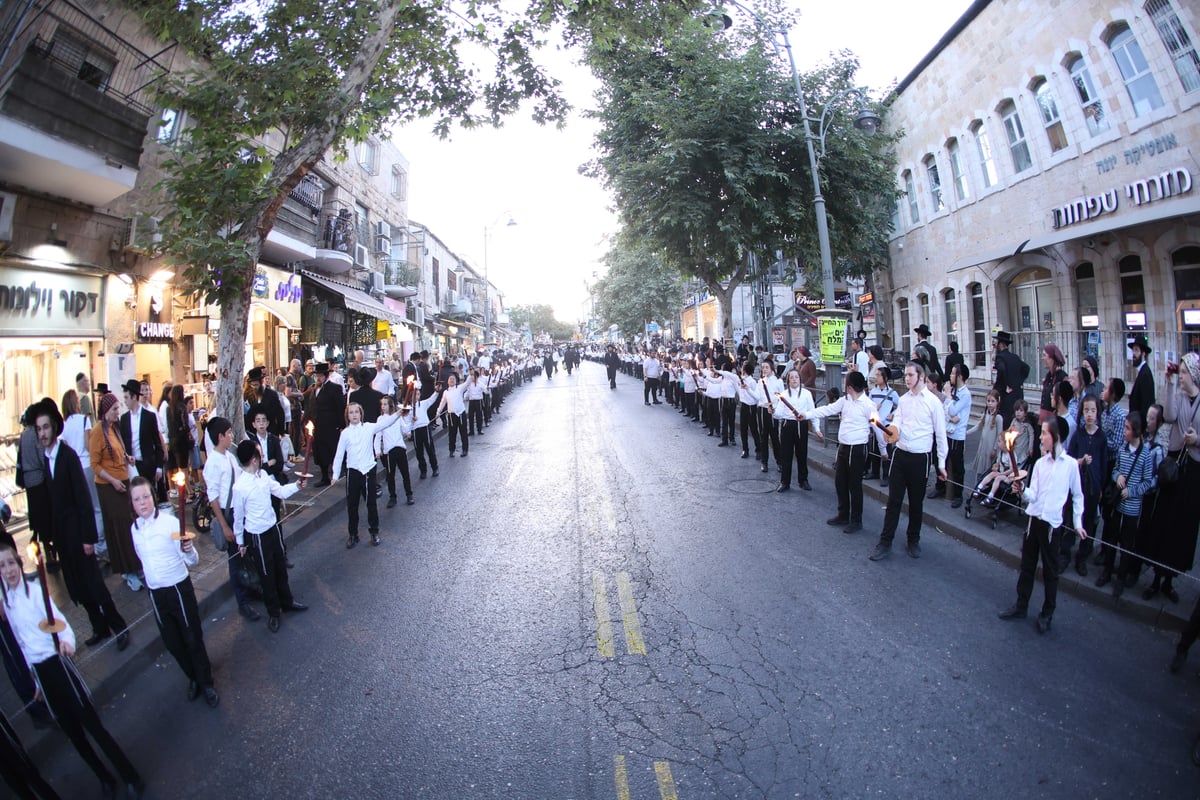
x=599, y=603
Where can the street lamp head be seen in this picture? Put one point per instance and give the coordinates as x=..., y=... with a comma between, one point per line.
x=511, y=222
x=867, y=121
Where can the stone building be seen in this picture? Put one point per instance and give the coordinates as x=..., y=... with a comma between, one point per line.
x=1048, y=167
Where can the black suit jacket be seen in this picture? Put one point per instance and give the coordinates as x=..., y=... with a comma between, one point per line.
x=329, y=417
x=369, y=399
x=426, y=378
x=148, y=437
x=274, y=453
x=1142, y=395
x=72, y=518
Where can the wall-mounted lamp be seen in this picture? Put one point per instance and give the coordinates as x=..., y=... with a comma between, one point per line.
x=52, y=236
x=163, y=275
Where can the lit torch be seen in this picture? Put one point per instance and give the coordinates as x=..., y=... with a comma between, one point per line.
x=180, y=480
x=1010, y=440
x=308, y=428
x=49, y=625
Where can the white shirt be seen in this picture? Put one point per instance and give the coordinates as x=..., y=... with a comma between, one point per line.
x=52, y=456
x=356, y=445
x=652, y=367
x=921, y=420
x=384, y=383
x=1047, y=491
x=419, y=415
x=252, y=510
x=749, y=391
x=393, y=435
x=25, y=608
x=165, y=564
x=74, y=433
x=473, y=390
x=485, y=362
x=453, y=400
x=855, y=427
x=801, y=400
x=220, y=472
x=771, y=385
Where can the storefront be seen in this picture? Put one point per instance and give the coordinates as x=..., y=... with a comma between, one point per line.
x=338, y=318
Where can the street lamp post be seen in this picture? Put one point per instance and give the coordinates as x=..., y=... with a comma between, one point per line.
x=866, y=120
x=487, y=303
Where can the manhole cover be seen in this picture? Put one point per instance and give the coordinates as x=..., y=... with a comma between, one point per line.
x=752, y=487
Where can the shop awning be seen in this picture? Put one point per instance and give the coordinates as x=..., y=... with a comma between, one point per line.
x=355, y=299
x=435, y=327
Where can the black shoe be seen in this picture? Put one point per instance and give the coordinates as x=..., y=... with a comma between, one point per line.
x=764, y=467
x=193, y=691
x=723, y=444
x=408, y=501
x=452, y=454
x=883, y=482
x=323, y=484
x=422, y=475
x=882, y=551
x=1013, y=612
x=837, y=521
x=464, y=453
x=96, y=639
x=211, y=697
x=295, y=607
x=247, y=611
x=1177, y=662
x=1151, y=591
x=1081, y=567
x=351, y=541
x=806, y=486
x=745, y=454
x=122, y=640
x=783, y=487
x=273, y=624
x=1043, y=623
x=1099, y=559
x=934, y=494
x=853, y=527
x=647, y=402
x=1104, y=579
x=391, y=503
x=956, y=503
x=1169, y=592
x=375, y=540
x=913, y=549
x=435, y=473
x=657, y=403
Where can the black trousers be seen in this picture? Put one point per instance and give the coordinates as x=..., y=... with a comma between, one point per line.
x=456, y=426
x=910, y=472
x=768, y=434
x=101, y=610
x=1120, y=530
x=178, y=619
x=1091, y=522
x=748, y=423
x=955, y=468
x=650, y=389
x=848, y=478
x=356, y=483
x=712, y=414
x=17, y=768
x=71, y=704
x=489, y=402
x=397, y=458
x=612, y=377
x=18, y=672
x=1190, y=631
x=793, y=444
x=690, y=405
x=1040, y=542
x=728, y=418
x=423, y=442
x=474, y=416
x=267, y=550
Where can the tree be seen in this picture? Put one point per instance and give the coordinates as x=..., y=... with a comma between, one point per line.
x=638, y=287
x=283, y=82
x=702, y=143
x=540, y=319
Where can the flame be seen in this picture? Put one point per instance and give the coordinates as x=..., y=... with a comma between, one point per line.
x=180, y=479
x=1010, y=439
x=32, y=551
x=410, y=380
x=308, y=428
x=875, y=417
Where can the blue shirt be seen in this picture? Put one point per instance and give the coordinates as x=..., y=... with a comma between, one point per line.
x=960, y=408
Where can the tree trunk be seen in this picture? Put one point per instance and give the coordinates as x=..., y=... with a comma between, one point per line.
x=231, y=354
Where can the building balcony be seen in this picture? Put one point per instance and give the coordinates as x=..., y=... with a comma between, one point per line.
x=400, y=280
x=74, y=105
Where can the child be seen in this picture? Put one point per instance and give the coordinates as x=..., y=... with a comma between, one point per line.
x=255, y=530
x=1090, y=449
x=422, y=438
x=991, y=464
x=455, y=403
x=391, y=444
x=1054, y=478
x=1134, y=473
x=855, y=410
x=886, y=400
x=172, y=596
x=58, y=681
x=356, y=446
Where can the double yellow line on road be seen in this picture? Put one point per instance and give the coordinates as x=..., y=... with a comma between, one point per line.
x=635, y=644
x=662, y=772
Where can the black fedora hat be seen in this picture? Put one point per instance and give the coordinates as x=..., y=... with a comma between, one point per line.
x=923, y=329
x=1139, y=341
x=1003, y=337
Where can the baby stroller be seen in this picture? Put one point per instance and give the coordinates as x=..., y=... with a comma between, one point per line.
x=1006, y=500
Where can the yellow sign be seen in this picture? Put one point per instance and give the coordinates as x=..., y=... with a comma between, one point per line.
x=833, y=338
x=382, y=330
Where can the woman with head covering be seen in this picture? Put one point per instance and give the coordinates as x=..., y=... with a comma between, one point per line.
x=111, y=470
x=1175, y=522
x=1053, y=360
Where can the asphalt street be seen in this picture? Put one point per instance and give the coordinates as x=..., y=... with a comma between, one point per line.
x=600, y=603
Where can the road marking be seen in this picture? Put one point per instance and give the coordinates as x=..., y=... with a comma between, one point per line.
x=634, y=643
x=666, y=784
x=604, y=631
x=620, y=777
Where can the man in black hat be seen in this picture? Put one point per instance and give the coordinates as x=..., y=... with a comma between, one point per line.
x=268, y=398
x=611, y=362
x=366, y=395
x=329, y=417
x=925, y=352
x=1011, y=373
x=1141, y=397
x=141, y=437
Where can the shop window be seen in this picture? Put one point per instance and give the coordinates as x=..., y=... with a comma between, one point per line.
x=956, y=170
x=923, y=302
x=978, y=323
x=987, y=162
x=1177, y=42
x=950, y=303
x=1018, y=145
x=935, y=184
x=905, y=336
x=1186, y=264
x=1133, y=292
x=914, y=210
x=1135, y=71
x=1089, y=98
x=1051, y=120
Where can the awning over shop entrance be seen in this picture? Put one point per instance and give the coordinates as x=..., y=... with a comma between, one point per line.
x=355, y=299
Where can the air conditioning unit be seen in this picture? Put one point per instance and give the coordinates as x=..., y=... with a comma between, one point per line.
x=450, y=298
x=362, y=256
x=383, y=229
x=419, y=316
x=141, y=234
x=376, y=282
x=383, y=245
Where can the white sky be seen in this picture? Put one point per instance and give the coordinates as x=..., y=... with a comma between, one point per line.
x=472, y=181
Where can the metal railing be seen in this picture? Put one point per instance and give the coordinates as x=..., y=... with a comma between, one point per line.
x=398, y=272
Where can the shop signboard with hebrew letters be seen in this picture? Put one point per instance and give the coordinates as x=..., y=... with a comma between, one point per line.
x=34, y=302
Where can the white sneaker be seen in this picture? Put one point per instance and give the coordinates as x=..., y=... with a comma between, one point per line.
x=131, y=580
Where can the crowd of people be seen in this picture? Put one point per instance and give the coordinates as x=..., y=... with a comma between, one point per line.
x=97, y=487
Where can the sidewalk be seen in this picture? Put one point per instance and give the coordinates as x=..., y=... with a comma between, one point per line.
x=1004, y=544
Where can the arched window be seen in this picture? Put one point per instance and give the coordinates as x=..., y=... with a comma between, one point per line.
x=1177, y=42
x=950, y=303
x=905, y=321
x=1135, y=71
x=910, y=190
x=978, y=323
x=983, y=146
x=959, y=175
x=1051, y=120
x=1014, y=131
x=935, y=183
x=1089, y=98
